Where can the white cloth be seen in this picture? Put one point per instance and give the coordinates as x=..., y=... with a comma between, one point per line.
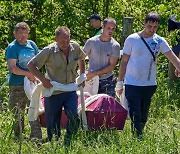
x=80, y=79
x=141, y=69
x=36, y=108
x=89, y=101
x=28, y=87
x=92, y=85
x=123, y=100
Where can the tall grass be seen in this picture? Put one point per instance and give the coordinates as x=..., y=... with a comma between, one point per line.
x=162, y=132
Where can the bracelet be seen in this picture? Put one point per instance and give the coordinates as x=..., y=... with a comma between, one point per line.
x=119, y=85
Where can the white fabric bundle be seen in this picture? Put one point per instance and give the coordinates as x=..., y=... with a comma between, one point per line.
x=39, y=90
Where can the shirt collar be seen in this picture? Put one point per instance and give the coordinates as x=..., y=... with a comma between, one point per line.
x=57, y=49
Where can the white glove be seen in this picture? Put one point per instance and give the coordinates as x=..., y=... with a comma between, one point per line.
x=119, y=85
x=80, y=79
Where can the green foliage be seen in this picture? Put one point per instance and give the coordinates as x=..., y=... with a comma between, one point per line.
x=162, y=132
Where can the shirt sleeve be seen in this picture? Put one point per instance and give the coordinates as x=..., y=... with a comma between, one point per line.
x=11, y=53
x=82, y=54
x=116, y=51
x=33, y=44
x=40, y=59
x=164, y=46
x=87, y=47
x=127, y=46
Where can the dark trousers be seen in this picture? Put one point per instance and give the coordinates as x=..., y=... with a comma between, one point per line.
x=139, y=99
x=53, y=110
x=107, y=86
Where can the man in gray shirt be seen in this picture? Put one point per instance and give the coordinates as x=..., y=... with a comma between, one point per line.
x=103, y=52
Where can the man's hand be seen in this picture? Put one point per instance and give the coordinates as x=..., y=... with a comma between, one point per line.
x=177, y=73
x=119, y=88
x=119, y=92
x=90, y=75
x=82, y=85
x=31, y=77
x=46, y=83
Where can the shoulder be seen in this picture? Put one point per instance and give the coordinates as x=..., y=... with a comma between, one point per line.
x=93, y=39
x=159, y=38
x=74, y=44
x=132, y=39
x=12, y=45
x=50, y=46
x=31, y=42
x=115, y=43
x=133, y=36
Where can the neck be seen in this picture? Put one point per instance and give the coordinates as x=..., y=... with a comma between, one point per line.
x=98, y=27
x=144, y=34
x=104, y=38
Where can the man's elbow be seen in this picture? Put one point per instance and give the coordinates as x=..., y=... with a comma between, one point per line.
x=30, y=65
x=12, y=69
x=112, y=67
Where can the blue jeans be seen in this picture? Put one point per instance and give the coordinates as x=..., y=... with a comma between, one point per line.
x=53, y=110
x=107, y=86
x=139, y=99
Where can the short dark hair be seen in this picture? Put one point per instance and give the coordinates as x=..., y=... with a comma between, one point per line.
x=95, y=16
x=109, y=20
x=153, y=17
x=61, y=30
x=21, y=25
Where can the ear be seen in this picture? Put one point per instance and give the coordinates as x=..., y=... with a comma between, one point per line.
x=14, y=33
x=55, y=38
x=103, y=26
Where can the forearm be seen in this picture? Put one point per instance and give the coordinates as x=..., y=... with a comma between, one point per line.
x=32, y=68
x=122, y=71
x=81, y=64
x=105, y=70
x=174, y=59
x=177, y=64
x=16, y=70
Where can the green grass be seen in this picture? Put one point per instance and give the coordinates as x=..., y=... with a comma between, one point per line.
x=162, y=131
x=162, y=135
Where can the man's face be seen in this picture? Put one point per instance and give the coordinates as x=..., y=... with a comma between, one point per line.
x=21, y=36
x=108, y=29
x=63, y=41
x=150, y=28
x=95, y=23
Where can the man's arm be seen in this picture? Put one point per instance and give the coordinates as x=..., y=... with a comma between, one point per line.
x=16, y=70
x=177, y=73
x=122, y=71
x=109, y=68
x=81, y=64
x=32, y=68
x=174, y=59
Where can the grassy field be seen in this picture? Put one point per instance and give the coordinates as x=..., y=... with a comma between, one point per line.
x=162, y=132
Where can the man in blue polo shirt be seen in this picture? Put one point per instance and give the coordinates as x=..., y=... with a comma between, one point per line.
x=18, y=54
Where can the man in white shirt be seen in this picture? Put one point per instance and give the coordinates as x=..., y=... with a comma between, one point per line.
x=138, y=69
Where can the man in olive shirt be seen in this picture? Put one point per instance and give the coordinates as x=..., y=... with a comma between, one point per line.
x=60, y=60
